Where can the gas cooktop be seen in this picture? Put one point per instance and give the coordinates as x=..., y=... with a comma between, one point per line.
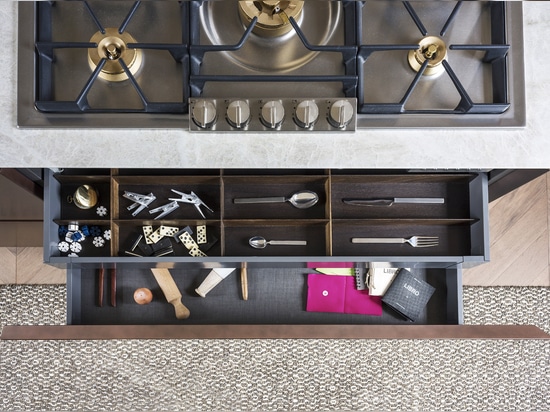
x=270, y=65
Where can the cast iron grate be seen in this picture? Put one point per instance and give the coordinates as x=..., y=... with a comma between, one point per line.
x=46, y=59
x=189, y=54
x=494, y=54
x=348, y=51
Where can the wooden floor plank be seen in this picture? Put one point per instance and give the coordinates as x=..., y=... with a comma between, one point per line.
x=519, y=239
x=8, y=258
x=525, y=268
x=508, y=210
x=32, y=270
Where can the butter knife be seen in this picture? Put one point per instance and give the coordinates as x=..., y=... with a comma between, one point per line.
x=395, y=200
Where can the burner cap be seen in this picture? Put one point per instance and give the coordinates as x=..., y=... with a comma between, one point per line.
x=430, y=48
x=112, y=46
x=272, y=15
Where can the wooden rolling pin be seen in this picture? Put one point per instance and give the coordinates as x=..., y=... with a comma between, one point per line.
x=171, y=291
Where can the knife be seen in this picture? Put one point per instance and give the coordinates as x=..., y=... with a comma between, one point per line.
x=391, y=201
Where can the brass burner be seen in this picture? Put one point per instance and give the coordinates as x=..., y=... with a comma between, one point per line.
x=112, y=45
x=273, y=15
x=430, y=48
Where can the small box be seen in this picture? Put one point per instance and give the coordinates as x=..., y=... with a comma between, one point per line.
x=408, y=295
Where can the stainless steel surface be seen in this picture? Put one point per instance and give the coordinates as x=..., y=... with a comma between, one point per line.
x=414, y=241
x=471, y=26
x=320, y=20
x=272, y=114
x=341, y=113
x=300, y=200
x=238, y=114
x=259, y=242
x=204, y=114
x=307, y=113
x=390, y=202
x=273, y=15
x=259, y=115
x=72, y=22
x=384, y=22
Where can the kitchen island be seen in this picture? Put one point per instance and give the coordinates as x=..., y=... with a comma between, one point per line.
x=440, y=148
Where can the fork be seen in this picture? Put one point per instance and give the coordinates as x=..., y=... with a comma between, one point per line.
x=414, y=241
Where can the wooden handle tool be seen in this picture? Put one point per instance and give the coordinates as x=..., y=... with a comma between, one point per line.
x=171, y=291
x=244, y=281
x=113, y=287
x=100, y=279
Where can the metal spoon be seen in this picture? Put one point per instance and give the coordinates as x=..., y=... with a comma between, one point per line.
x=259, y=242
x=301, y=200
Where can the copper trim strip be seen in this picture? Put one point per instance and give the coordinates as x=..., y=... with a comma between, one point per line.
x=94, y=332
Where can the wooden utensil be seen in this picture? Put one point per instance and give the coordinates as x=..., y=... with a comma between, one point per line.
x=244, y=281
x=113, y=287
x=171, y=291
x=100, y=279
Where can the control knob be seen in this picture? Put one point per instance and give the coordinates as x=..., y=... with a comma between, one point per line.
x=341, y=113
x=307, y=113
x=273, y=114
x=238, y=113
x=204, y=113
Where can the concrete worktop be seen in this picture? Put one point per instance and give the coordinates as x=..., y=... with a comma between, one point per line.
x=486, y=148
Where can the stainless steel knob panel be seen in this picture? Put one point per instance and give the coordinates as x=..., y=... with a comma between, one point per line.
x=306, y=114
x=204, y=114
x=341, y=113
x=273, y=114
x=238, y=113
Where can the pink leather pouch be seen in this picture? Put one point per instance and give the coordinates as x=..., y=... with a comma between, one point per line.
x=325, y=293
x=338, y=294
x=359, y=301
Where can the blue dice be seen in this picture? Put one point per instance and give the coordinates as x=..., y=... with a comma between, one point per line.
x=62, y=230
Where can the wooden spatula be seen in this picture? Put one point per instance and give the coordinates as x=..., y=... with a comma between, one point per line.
x=171, y=291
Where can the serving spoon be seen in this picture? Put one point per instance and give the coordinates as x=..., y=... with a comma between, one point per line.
x=301, y=200
x=259, y=242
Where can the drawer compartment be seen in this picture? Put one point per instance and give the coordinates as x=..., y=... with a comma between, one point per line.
x=453, y=237
x=314, y=233
x=454, y=190
x=273, y=186
x=459, y=220
x=275, y=297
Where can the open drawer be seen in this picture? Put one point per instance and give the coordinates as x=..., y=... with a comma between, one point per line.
x=326, y=229
x=275, y=309
x=275, y=296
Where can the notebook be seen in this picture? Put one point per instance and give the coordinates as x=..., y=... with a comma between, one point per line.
x=408, y=295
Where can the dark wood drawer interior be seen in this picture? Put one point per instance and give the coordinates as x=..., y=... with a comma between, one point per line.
x=327, y=227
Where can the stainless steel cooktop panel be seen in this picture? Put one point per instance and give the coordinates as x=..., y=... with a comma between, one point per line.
x=385, y=22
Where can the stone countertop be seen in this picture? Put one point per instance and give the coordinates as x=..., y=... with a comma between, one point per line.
x=482, y=148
